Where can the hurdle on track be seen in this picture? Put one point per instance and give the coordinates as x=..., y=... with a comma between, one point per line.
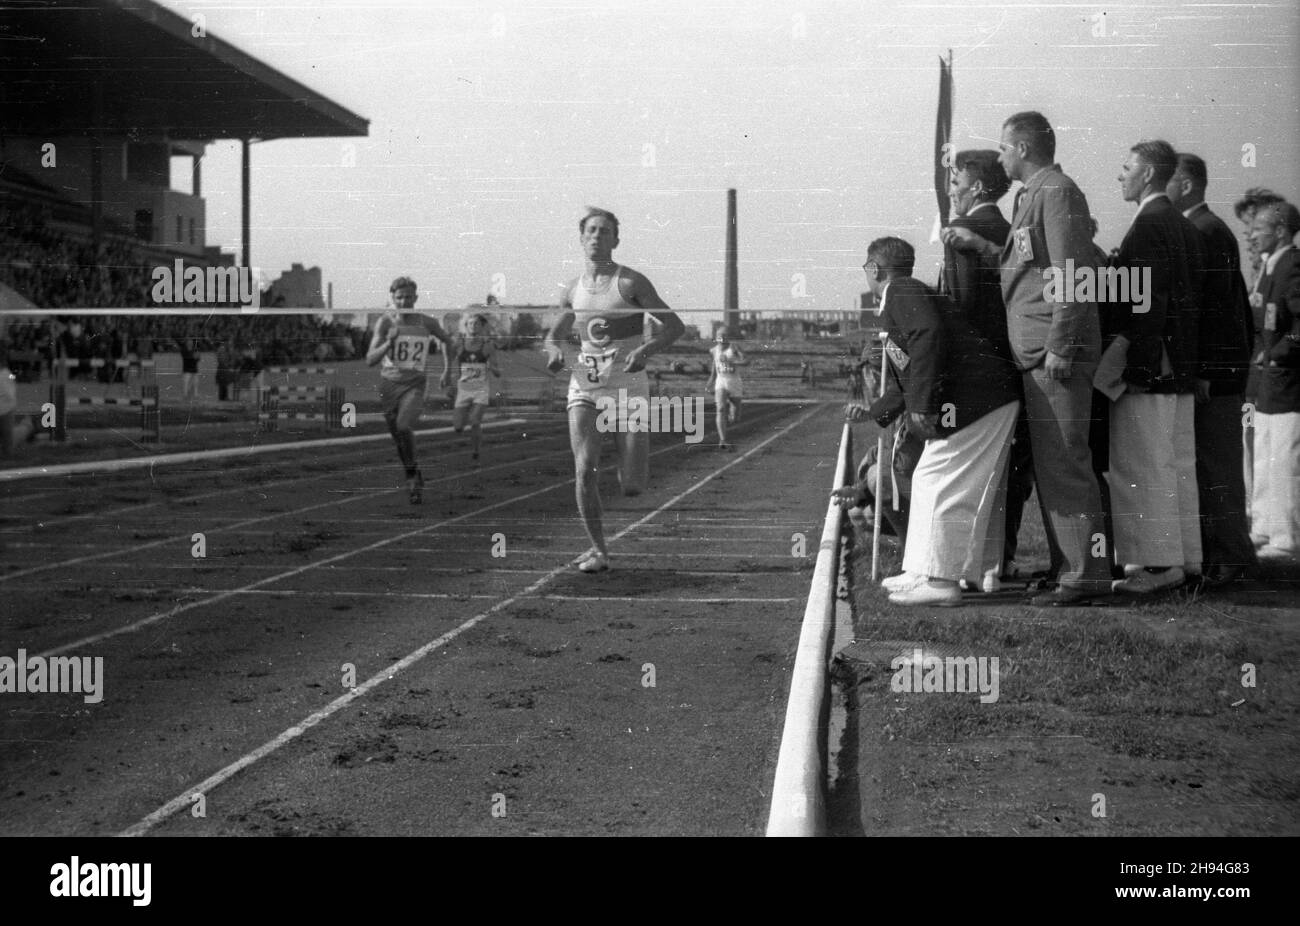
x=147, y=402
x=270, y=398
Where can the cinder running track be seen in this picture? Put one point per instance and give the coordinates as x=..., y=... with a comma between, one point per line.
x=341, y=662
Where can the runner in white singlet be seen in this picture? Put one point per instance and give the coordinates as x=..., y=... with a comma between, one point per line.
x=475, y=355
x=401, y=345
x=724, y=380
x=607, y=306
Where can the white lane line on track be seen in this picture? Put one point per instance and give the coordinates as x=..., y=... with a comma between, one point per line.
x=461, y=571
x=138, y=526
x=638, y=554
x=244, y=489
x=186, y=538
x=163, y=459
x=466, y=596
x=218, y=778
x=221, y=596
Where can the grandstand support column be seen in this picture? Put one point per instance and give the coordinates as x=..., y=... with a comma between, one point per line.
x=245, y=198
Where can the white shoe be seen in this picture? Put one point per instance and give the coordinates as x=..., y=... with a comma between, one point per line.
x=991, y=582
x=596, y=562
x=902, y=582
x=926, y=593
x=1271, y=554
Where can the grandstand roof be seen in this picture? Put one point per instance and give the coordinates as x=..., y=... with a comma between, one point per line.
x=156, y=78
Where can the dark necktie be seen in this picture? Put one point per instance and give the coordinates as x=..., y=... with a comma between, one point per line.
x=1015, y=205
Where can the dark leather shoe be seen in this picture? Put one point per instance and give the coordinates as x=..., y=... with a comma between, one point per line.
x=1220, y=576
x=1063, y=596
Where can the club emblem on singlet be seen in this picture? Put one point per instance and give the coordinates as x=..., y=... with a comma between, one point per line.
x=598, y=331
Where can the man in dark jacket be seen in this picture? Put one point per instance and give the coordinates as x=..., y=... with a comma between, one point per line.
x=1275, y=514
x=961, y=396
x=1149, y=371
x=1224, y=345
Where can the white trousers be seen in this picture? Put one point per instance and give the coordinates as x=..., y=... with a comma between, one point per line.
x=1275, y=508
x=955, y=527
x=1154, y=504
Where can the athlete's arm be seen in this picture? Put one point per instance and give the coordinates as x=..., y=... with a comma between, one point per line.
x=448, y=345
x=641, y=292
x=713, y=371
x=435, y=329
x=381, y=342
x=559, y=331
x=451, y=360
x=490, y=352
x=738, y=358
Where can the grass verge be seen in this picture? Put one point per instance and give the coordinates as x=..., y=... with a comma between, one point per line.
x=1175, y=716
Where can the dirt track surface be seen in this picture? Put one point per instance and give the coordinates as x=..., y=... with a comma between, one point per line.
x=538, y=718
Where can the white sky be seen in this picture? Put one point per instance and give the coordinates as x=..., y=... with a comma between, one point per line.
x=493, y=124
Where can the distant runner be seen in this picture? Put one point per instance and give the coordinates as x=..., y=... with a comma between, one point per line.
x=401, y=345
x=724, y=380
x=608, y=305
x=475, y=355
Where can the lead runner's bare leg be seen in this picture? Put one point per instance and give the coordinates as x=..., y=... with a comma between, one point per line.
x=585, y=441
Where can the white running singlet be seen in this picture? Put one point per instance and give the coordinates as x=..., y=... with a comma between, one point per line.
x=609, y=328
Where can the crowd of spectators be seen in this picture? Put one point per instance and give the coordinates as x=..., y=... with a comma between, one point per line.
x=53, y=268
x=1121, y=406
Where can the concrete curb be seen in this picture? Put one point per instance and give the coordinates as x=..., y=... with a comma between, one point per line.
x=798, y=791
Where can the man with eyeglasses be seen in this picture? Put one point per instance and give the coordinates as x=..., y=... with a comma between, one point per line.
x=961, y=397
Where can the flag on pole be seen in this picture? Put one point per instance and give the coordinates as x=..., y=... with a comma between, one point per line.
x=943, y=143
x=943, y=139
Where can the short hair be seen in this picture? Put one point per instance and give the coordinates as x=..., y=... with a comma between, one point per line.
x=1036, y=132
x=592, y=212
x=1283, y=215
x=402, y=283
x=984, y=166
x=1159, y=155
x=1193, y=167
x=893, y=255
x=1253, y=198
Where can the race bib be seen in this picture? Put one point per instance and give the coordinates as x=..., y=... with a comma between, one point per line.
x=472, y=373
x=595, y=369
x=409, y=352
